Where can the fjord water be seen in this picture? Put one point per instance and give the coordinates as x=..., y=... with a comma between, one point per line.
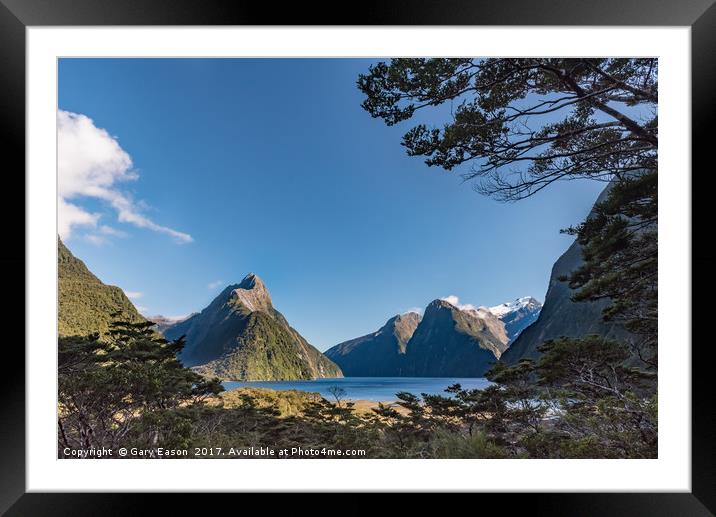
x=368, y=388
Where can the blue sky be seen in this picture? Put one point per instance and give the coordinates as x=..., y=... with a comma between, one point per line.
x=272, y=166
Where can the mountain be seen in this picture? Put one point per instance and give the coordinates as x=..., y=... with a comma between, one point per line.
x=241, y=336
x=450, y=342
x=379, y=354
x=164, y=322
x=560, y=316
x=517, y=315
x=85, y=304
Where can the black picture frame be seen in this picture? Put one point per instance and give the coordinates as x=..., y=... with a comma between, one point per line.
x=700, y=15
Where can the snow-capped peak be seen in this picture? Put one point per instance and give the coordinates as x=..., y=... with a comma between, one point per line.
x=500, y=311
x=507, y=307
x=515, y=315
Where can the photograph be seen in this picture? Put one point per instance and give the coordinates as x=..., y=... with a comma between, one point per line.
x=357, y=258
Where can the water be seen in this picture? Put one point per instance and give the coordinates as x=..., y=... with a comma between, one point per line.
x=369, y=388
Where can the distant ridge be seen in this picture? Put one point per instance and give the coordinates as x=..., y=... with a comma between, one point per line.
x=380, y=353
x=448, y=341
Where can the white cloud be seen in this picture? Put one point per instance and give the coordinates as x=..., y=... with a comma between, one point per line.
x=133, y=295
x=101, y=235
x=70, y=215
x=113, y=232
x=93, y=238
x=454, y=300
x=141, y=309
x=90, y=162
x=214, y=284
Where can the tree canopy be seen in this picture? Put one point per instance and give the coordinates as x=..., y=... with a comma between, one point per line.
x=523, y=123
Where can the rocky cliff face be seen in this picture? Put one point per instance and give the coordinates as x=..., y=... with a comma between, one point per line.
x=493, y=323
x=241, y=336
x=252, y=294
x=560, y=316
x=379, y=354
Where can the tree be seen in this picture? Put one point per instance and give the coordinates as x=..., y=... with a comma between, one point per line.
x=111, y=389
x=338, y=393
x=524, y=123
x=606, y=409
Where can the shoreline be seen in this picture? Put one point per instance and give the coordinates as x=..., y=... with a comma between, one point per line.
x=365, y=406
x=272, y=396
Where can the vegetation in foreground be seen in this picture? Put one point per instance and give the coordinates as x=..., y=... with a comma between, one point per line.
x=578, y=401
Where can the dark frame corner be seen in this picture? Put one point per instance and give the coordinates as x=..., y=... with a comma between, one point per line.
x=700, y=15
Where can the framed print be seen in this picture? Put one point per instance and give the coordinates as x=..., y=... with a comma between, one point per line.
x=417, y=250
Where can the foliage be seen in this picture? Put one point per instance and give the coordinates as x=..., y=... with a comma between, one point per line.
x=603, y=401
x=85, y=304
x=286, y=402
x=585, y=403
x=446, y=445
x=578, y=401
x=106, y=387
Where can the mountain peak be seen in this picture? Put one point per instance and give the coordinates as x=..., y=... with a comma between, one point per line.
x=439, y=304
x=517, y=315
x=404, y=326
x=409, y=316
x=240, y=336
x=251, y=281
x=252, y=294
x=526, y=302
x=402, y=323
